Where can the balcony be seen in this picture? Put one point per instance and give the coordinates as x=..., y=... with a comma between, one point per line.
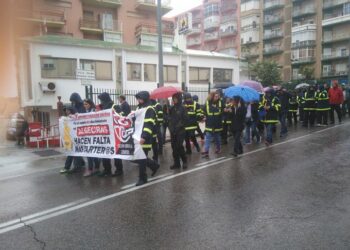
x=104, y=3
x=336, y=56
x=91, y=26
x=194, y=42
x=196, y=20
x=228, y=7
x=303, y=60
x=228, y=32
x=151, y=6
x=146, y=35
x=195, y=31
x=329, y=21
x=250, y=28
x=334, y=73
x=228, y=45
x=228, y=18
x=341, y=37
x=273, y=35
x=250, y=55
x=298, y=13
x=272, y=5
x=211, y=23
x=54, y=19
x=249, y=43
x=304, y=28
x=211, y=36
x=328, y=4
x=304, y=44
x=272, y=51
x=272, y=20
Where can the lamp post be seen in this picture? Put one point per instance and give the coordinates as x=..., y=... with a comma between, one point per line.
x=160, y=43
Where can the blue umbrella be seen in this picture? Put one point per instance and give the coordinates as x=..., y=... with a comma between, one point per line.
x=246, y=93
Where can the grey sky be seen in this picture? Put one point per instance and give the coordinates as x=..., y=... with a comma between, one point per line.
x=180, y=6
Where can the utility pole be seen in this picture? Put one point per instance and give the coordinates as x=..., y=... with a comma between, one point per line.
x=160, y=44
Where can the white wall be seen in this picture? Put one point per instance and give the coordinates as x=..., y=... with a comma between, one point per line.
x=251, y=5
x=64, y=87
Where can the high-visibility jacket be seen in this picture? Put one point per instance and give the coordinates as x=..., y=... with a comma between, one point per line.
x=226, y=116
x=271, y=115
x=322, y=101
x=293, y=104
x=194, y=115
x=149, y=126
x=310, y=101
x=159, y=111
x=301, y=101
x=213, y=113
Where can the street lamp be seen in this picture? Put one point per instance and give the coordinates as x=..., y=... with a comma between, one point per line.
x=160, y=43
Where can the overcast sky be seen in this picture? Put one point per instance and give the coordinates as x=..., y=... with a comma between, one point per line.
x=180, y=6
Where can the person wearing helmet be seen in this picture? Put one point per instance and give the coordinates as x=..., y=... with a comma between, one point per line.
x=310, y=107
x=178, y=119
x=193, y=112
x=148, y=130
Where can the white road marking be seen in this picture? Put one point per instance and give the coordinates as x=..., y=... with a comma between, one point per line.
x=206, y=162
x=132, y=189
x=4, y=227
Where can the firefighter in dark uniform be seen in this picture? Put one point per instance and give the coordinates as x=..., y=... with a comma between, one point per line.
x=107, y=103
x=293, y=109
x=270, y=106
x=199, y=130
x=226, y=122
x=323, y=107
x=310, y=107
x=193, y=113
x=301, y=104
x=149, y=129
x=177, y=126
x=157, y=144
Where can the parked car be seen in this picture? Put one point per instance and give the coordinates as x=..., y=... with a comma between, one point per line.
x=14, y=126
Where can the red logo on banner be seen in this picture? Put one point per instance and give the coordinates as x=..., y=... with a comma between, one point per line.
x=123, y=129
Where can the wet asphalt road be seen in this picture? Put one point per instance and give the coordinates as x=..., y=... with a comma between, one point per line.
x=293, y=195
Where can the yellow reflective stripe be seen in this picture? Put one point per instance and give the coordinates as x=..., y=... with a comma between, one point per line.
x=147, y=130
x=160, y=112
x=191, y=113
x=269, y=121
x=324, y=109
x=191, y=128
x=323, y=99
x=293, y=110
x=147, y=146
x=310, y=109
x=213, y=130
x=154, y=136
x=149, y=120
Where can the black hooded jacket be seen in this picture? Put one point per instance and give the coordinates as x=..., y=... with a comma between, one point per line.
x=106, y=100
x=178, y=118
x=77, y=102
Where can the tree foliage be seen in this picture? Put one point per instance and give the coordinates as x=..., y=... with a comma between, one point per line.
x=267, y=72
x=307, y=72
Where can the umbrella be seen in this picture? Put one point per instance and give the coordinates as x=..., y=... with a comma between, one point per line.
x=246, y=93
x=254, y=85
x=267, y=89
x=302, y=85
x=164, y=92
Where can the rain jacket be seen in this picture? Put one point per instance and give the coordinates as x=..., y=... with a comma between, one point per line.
x=149, y=125
x=322, y=101
x=77, y=102
x=336, y=96
x=310, y=100
x=271, y=115
x=177, y=118
x=193, y=112
x=213, y=113
x=293, y=104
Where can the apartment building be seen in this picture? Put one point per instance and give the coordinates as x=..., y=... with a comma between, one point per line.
x=214, y=27
x=130, y=22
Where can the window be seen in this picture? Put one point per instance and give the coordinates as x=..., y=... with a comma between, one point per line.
x=170, y=73
x=103, y=69
x=199, y=75
x=134, y=71
x=150, y=73
x=58, y=67
x=222, y=75
x=211, y=10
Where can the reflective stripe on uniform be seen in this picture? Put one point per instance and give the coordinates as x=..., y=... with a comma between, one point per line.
x=269, y=121
x=147, y=146
x=147, y=130
x=191, y=128
x=324, y=109
x=150, y=120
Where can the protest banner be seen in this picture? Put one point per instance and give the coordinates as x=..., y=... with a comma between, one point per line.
x=103, y=134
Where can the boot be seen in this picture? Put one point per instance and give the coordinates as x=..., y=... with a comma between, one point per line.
x=141, y=181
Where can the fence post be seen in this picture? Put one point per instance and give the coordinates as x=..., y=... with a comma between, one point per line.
x=208, y=87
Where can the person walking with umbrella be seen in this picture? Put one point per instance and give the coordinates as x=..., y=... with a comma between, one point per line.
x=270, y=106
x=237, y=116
x=213, y=110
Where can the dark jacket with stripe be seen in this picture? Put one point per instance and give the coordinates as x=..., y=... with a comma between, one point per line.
x=322, y=101
x=271, y=114
x=310, y=100
x=293, y=104
x=194, y=115
x=213, y=113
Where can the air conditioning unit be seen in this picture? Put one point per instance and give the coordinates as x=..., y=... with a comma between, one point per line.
x=48, y=87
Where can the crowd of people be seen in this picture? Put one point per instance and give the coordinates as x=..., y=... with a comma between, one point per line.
x=246, y=122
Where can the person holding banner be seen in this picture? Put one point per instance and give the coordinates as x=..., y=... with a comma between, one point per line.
x=178, y=119
x=149, y=129
x=107, y=103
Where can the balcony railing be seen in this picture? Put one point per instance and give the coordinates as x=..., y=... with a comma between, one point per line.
x=273, y=35
x=273, y=50
x=228, y=7
x=49, y=17
x=335, y=19
x=228, y=18
x=151, y=5
x=333, y=3
x=193, y=42
x=334, y=73
x=342, y=55
x=303, y=60
x=104, y=3
x=152, y=29
x=303, y=44
x=96, y=26
x=228, y=45
x=250, y=54
x=303, y=12
x=196, y=20
x=272, y=20
x=336, y=38
x=211, y=36
x=211, y=22
x=270, y=5
x=195, y=30
x=228, y=32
